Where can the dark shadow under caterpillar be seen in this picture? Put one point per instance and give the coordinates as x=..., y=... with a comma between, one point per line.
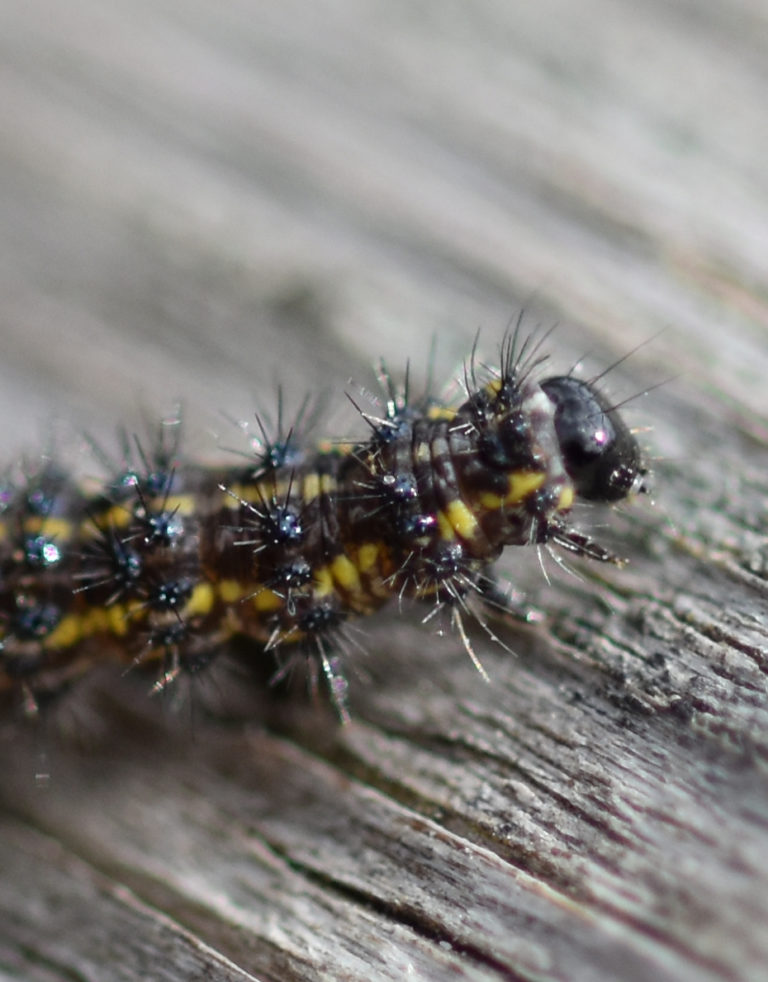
x=170, y=560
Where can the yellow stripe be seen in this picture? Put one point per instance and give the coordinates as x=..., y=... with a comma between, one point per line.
x=421, y=453
x=445, y=527
x=181, y=504
x=368, y=556
x=135, y=610
x=60, y=528
x=243, y=492
x=227, y=497
x=323, y=581
x=201, y=601
x=311, y=488
x=116, y=517
x=230, y=591
x=523, y=483
x=441, y=413
x=254, y=494
x=76, y=627
x=490, y=501
x=117, y=619
x=566, y=498
x=461, y=518
x=68, y=632
x=266, y=600
x=519, y=485
x=330, y=448
x=345, y=574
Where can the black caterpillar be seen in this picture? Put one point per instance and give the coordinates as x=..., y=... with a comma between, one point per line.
x=169, y=560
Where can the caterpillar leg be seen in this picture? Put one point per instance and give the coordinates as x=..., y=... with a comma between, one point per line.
x=317, y=656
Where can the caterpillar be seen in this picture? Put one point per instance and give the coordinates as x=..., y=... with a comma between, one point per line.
x=168, y=561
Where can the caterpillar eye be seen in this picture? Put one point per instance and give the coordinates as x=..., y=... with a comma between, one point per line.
x=601, y=456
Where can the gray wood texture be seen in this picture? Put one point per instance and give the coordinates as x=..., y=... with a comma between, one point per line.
x=198, y=199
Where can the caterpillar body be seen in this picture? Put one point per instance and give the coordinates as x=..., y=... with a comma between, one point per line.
x=169, y=561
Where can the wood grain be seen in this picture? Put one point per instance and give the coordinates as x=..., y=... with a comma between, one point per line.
x=199, y=199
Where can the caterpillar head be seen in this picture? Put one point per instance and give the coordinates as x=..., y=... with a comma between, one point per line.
x=600, y=453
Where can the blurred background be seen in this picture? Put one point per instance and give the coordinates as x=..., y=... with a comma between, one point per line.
x=198, y=200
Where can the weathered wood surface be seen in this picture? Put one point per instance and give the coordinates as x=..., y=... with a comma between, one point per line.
x=199, y=197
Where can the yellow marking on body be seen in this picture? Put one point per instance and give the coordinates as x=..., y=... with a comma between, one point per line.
x=328, y=484
x=95, y=621
x=566, y=498
x=445, y=527
x=441, y=414
x=266, y=600
x=228, y=495
x=461, y=518
x=121, y=515
x=180, y=504
x=310, y=488
x=519, y=485
x=523, y=483
x=67, y=632
x=49, y=526
x=368, y=556
x=117, y=619
x=493, y=388
x=323, y=581
x=253, y=495
x=135, y=609
x=331, y=448
x=116, y=517
x=230, y=591
x=345, y=574
x=241, y=492
x=202, y=600
x=490, y=501
x=76, y=627
x=421, y=453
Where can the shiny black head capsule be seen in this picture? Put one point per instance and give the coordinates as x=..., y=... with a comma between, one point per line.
x=601, y=455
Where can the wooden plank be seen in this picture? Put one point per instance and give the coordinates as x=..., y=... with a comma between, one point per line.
x=51, y=931
x=198, y=198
